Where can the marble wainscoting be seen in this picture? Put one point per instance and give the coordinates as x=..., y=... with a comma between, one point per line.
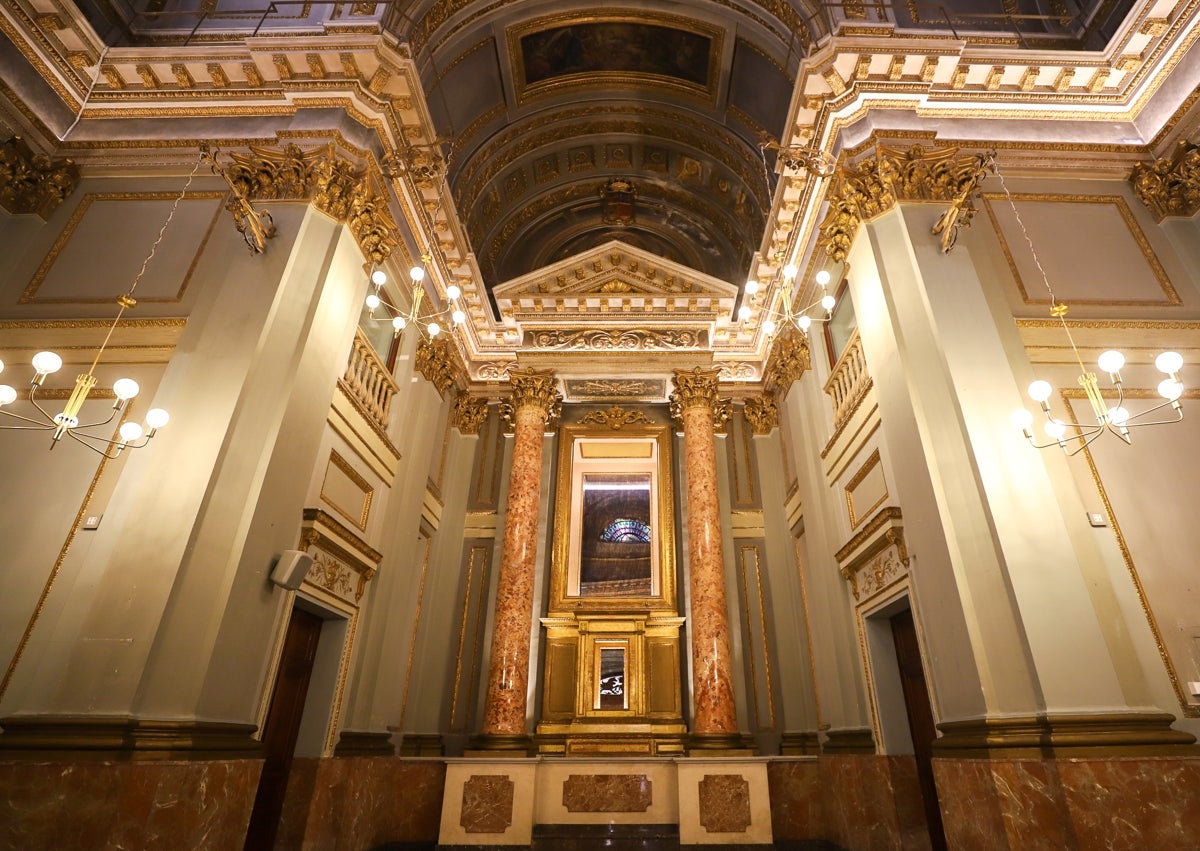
x=1115, y=803
x=95, y=805
x=859, y=802
x=361, y=802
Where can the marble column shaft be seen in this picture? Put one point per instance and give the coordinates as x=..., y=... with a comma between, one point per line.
x=695, y=400
x=534, y=403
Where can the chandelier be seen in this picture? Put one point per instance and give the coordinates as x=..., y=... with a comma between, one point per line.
x=1113, y=419
x=429, y=324
x=787, y=313
x=67, y=422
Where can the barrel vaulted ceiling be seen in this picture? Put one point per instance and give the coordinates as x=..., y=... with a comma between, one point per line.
x=536, y=105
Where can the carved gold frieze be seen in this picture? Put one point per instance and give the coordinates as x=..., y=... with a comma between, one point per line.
x=32, y=182
x=616, y=418
x=870, y=187
x=439, y=363
x=875, y=557
x=340, y=556
x=468, y=414
x=594, y=389
x=1170, y=186
x=762, y=413
x=636, y=339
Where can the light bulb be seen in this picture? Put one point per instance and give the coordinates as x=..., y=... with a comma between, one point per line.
x=1055, y=429
x=1170, y=389
x=399, y=323
x=1022, y=419
x=751, y=287
x=790, y=271
x=434, y=329
x=130, y=432
x=7, y=395
x=1118, y=416
x=459, y=317
x=125, y=388
x=453, y=292
x=416, y=273
x=1, y=366
x=1169, y=362
x=828, y=302
x=1039, y=391
x=822, y=277
x=744, y=312
x=373, y=301
x=48, y=362
x=1111, y=361
x=157, y=418
x=768, y=327
x=379, y=277
x=804, y=322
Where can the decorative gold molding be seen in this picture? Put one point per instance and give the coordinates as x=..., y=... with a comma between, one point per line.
x=468, y=415
x=762, y=413
x=616, y=418
x=1170, y=186
x=32, y=182
x=876, y=556
x=867, y=189
x=439, y=363
x=856, y=517
x=636, y=339
x=368, y=492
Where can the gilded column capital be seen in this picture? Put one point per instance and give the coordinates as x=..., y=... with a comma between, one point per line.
x=32, y=182
x=438, y=362
x=762, y=413
x=788, y=361
x=1170, y=186
x=468, y=415
x=535, y=388
x=697, y=388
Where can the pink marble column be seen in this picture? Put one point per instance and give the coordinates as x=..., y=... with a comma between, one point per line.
x=534, y=403
x=714, y=721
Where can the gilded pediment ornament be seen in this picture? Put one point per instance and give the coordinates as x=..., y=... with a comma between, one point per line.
x=31, y=182
x=1170, y=186
x=615, y=418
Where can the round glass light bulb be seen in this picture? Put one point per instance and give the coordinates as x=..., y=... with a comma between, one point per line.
x=434, y=329
x=822, y=277
x=1021, y=419
x=379, y=277
x=804, y=322
x=416, y=273
x=373, y=301
x=459, y=317
x=1055, y=429
x=399, y=323
x=790, y=271
x=1111, y=361
x=125, y=388
x=1170, y=389
x=8, y=395
x=768, y=327
x=828, y=302
x=1, y=366
x=453, y=291
x=157, y=418
x=130, y=432
x=751, y=287
x=1169, y=362
x=46, y=363
x=1039, y=391
x=744, y=312
x=1118, y=416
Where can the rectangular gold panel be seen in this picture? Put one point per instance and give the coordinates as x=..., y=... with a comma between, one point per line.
x=560, y=678
x=616, y=450
x=662, y=659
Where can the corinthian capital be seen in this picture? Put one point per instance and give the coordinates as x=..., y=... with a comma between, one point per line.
x=535, y=388
x=695, y=388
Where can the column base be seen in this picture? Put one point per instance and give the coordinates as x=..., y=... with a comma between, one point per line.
x=1041, y=736
x=800, y=744
x=719, y=744
x=352, y=743
x=492, y=745
x=857, y=740
x=422, y=744
x=124, y=739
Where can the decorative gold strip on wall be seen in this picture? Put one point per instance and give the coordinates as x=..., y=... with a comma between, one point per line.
x=412, y=641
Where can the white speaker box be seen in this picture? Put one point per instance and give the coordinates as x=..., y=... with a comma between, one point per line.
x=291, y=568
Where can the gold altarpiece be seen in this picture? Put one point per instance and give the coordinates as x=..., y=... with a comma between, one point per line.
x=612, y=666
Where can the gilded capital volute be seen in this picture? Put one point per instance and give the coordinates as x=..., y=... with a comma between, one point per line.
x=468, y=414
x=697, y=388
x=535, y=388
x=762, y=413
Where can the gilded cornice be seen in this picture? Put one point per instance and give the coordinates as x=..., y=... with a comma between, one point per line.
x=1170, y=186
x=468, y=414
x=439, y=363
x=32, y=182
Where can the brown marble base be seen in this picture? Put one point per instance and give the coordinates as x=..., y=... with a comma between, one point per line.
x=867, y=802
x=361, y=802
x=1113, y=803
x=97, y=804
x=352, y=743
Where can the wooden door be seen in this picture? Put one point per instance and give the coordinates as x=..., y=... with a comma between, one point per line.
x=283, y=726
x=920, y=719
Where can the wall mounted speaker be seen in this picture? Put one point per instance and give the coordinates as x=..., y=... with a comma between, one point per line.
x=291, y=568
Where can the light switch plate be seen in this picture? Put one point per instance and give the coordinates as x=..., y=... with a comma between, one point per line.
x=1097, y=519
x=92, y=521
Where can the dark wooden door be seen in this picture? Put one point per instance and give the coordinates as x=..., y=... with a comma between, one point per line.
x=283, y=726
x=920, y=719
